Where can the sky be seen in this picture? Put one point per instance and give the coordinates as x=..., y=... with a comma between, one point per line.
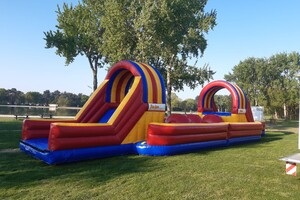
x=245, y=28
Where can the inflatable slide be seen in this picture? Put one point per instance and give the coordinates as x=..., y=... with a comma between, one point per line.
x=126, y=115
x=115, y=117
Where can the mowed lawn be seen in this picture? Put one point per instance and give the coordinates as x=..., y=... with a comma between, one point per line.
x=250, y=171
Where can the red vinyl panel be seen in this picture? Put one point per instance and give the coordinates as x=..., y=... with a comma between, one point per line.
x=82, y=142
x=75, y=130
x=244, y=133
x=157, y=129
x=38, y=128
x=32, y=134
x=245, y=126
x=184, y=138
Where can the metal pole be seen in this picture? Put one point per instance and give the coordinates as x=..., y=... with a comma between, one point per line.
x=299, y=121
x=298, y=75
x=299, y=126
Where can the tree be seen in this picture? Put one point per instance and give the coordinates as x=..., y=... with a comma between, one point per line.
x=15, y=96
x=78, y=33
x=82, y=99
x=164, y=33
x=33, y=98
x=223, y=102
x=286, y=85
x=63, y=101
x=3, y=96
x=189, y=105
x=46, y=96
x=176, y=103
x=246, y=74
x=54, y=96
x=270, y=82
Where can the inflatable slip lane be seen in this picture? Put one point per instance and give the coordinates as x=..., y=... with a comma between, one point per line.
x=126, y=115
x=207, y=129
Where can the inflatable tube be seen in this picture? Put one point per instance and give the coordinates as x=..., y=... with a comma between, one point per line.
x=38, y=149
x=143, y=148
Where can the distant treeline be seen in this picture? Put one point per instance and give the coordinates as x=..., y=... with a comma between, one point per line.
x=16, y=97
x=271, y=82
x=223, y=102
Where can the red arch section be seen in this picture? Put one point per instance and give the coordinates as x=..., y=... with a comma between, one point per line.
x=240, y=104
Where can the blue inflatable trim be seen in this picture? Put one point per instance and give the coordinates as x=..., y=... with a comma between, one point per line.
x=144, y=149
x=38, y=148
x=217, y=113
x=242, y=140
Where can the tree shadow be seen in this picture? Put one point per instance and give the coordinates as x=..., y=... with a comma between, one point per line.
x=21, y=170
x=275, y=135
x=283, y=125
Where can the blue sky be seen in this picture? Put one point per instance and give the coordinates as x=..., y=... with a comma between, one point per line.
x=246, y=28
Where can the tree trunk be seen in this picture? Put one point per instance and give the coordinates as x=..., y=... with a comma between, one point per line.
x=284, y=111
x=169, y=90
x=95, y=81
x=94, y=67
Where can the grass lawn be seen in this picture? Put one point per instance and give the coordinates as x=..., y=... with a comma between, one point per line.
x=250, y=171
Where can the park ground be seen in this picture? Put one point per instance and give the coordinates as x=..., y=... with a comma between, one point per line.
x=249, y=171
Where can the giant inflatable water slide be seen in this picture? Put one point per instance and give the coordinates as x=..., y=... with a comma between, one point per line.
x=126, y=115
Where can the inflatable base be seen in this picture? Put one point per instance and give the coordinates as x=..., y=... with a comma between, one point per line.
x=38, y=149
x=143, y=148
x=243, y=140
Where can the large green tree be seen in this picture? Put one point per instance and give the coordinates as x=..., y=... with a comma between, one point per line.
x=164, y=33
x=247, y=74
x=33, y=97
x=270, y=82
x=285, y=87
x=78, y=32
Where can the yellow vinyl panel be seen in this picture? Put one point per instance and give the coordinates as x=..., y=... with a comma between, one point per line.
x=139, y=131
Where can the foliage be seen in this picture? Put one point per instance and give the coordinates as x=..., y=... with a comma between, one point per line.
x=13, y=96
x=176, y=103
x=249, y=171
x=223, y=102
x=78, y=33
x=162, y=33
x=270, y=82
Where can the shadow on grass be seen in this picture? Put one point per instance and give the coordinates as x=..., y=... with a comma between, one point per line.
x=283, y=125
x=275, y=135
x=269, y=137
x=21, y=170
x=10, y=139
x=11, y=125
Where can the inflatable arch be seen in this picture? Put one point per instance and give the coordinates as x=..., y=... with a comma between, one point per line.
x=121, y=77
x=241, y=109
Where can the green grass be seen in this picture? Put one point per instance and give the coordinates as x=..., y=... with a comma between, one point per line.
x=10, y=131
x=250, y=171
